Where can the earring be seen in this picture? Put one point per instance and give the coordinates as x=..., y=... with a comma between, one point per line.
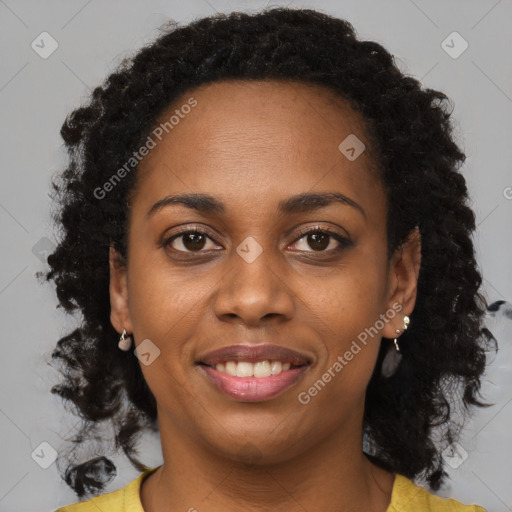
x=406, y=324
x=393, y=355
x=395, y=341
x=125, y=342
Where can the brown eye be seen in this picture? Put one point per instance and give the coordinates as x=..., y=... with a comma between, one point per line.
x=320, y=240
x=189, y=241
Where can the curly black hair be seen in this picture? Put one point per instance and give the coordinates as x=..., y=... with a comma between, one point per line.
x=411, y=134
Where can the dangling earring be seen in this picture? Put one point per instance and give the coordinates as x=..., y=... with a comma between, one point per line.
x=393, y=355
x=125, y=342
x=406, y=324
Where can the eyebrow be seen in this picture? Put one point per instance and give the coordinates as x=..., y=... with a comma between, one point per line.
x=301, y=203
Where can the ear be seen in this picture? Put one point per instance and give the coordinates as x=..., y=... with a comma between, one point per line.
x=119, y=313
x=404, y=270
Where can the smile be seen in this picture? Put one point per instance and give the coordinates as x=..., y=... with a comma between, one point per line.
x=251, y=388
x=248, y=369
x=254, y=373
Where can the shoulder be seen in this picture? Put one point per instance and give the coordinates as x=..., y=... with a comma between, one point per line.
x=409, y=497
x=113, y=500
x=122, y=500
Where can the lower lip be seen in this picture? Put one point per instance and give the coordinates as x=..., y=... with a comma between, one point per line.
x=253, y=389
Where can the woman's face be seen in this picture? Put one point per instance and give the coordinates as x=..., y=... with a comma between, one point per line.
x=263, y=153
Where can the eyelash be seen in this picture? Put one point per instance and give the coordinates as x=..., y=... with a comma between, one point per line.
x=344, y=242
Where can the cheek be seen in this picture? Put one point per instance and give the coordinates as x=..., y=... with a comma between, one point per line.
x=349, y=309
x=351, y=299
x=352, y=344
x=164, y=299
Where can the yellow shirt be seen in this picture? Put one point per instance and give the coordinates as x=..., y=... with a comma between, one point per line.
x=405, y=497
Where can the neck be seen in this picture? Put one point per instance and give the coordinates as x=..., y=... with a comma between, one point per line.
x=194, y=477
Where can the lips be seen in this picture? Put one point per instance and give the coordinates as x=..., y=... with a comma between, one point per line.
x=244, y=384
x=253, y=354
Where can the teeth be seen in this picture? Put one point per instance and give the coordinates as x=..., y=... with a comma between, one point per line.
x=230, y=367
x=244, y=369
x=258, y=369
x=261, y=369
x=276, y=367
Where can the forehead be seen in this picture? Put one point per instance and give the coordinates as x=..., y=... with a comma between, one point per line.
x=260, y=115
x=257, y=140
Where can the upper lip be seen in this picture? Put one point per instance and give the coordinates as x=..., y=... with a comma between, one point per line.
x=253, y=353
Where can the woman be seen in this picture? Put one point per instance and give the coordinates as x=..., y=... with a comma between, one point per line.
x=271, y=214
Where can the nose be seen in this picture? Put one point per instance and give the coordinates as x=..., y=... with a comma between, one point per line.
x=254, y=290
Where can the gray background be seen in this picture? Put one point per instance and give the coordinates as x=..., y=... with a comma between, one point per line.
x=93, y=36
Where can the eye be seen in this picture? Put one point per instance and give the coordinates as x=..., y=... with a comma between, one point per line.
x=189, y=240
x=195, y=240
x=321, y=240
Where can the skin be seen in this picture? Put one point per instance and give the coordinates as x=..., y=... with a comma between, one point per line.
x=252, y=144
